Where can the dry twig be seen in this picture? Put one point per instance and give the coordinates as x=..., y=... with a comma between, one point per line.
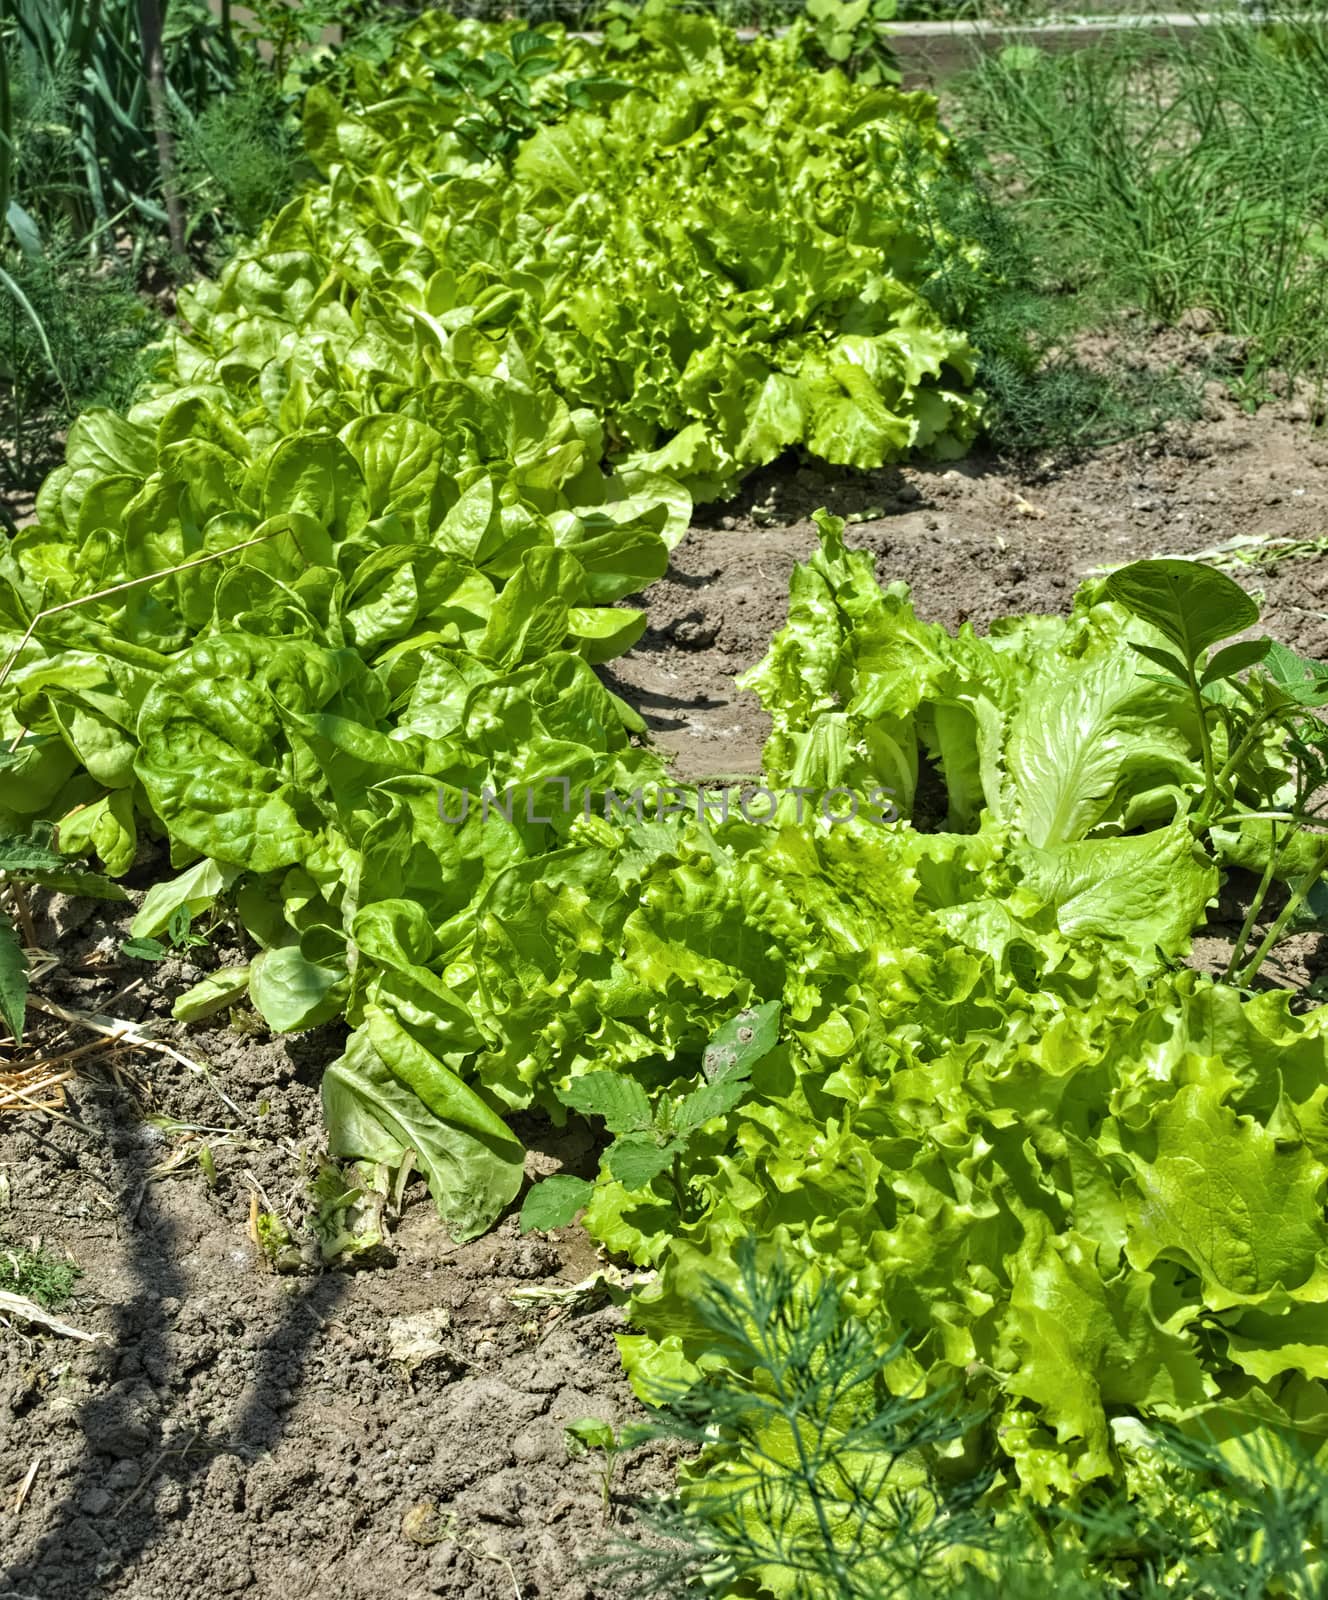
x=32, y=1088
x=155, y=1466
x=25, y=1487
x=122, y=1031
x=17, y=1305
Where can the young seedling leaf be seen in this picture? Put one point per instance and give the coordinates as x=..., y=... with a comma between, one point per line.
x=1193, y=605
x=13, y=980
x=143, y=950
x=587, y=1434
x=554, y=1203
x=620, y=1101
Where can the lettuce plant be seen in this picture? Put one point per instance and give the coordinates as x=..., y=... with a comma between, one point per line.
x=722, y=252
x=811, y=1479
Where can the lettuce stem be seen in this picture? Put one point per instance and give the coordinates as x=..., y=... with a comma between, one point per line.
x=1205, y=750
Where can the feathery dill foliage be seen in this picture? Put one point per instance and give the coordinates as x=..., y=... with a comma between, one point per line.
x=37, y=1275
x=72, y=336
x=813, y=1468
x=815, y=1481
x=241, y=158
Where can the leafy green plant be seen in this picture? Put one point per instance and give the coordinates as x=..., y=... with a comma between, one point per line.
x=814, y=1477
x=284, y=31
x=348, y=1211
x=498, y=87
x=322, y=610
x=36, y=1274
x=652, y=1139
x=241, y=157
x=589, y=1436
x=777, y=313
x=1195, y=608
x=850, y=34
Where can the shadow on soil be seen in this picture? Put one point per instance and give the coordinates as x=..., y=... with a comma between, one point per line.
x=108, y=1517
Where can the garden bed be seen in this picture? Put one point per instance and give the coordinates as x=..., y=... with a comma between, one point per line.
x=238, y=1430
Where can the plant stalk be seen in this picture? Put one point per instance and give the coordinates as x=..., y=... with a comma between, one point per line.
x=1256, y=905
x=150, y=17
x=1205, y=750
x=1288, y=911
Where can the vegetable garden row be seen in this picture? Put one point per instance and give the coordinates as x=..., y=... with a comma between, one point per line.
x=322, y=612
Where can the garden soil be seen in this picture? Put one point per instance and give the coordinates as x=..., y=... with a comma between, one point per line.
x=398, y=1429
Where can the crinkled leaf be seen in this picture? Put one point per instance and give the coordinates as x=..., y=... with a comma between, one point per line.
x=621, y=1101
x=554, y=1203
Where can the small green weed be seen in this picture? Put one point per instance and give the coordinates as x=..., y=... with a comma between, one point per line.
x=651, y=1139
x=591, y=1437
x=31, y=863
x=37, y=1275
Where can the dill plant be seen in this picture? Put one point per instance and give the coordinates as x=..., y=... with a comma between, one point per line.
x=812, y=1477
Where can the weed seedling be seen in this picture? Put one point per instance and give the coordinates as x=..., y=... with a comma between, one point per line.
x=37, y=1275
x=589, y=1436
x=651, y=1140
x=27, y=864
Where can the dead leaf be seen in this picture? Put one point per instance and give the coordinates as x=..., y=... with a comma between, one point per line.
x=418, y=1338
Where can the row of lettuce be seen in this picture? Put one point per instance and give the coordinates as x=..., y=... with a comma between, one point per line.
x=963, y=1073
